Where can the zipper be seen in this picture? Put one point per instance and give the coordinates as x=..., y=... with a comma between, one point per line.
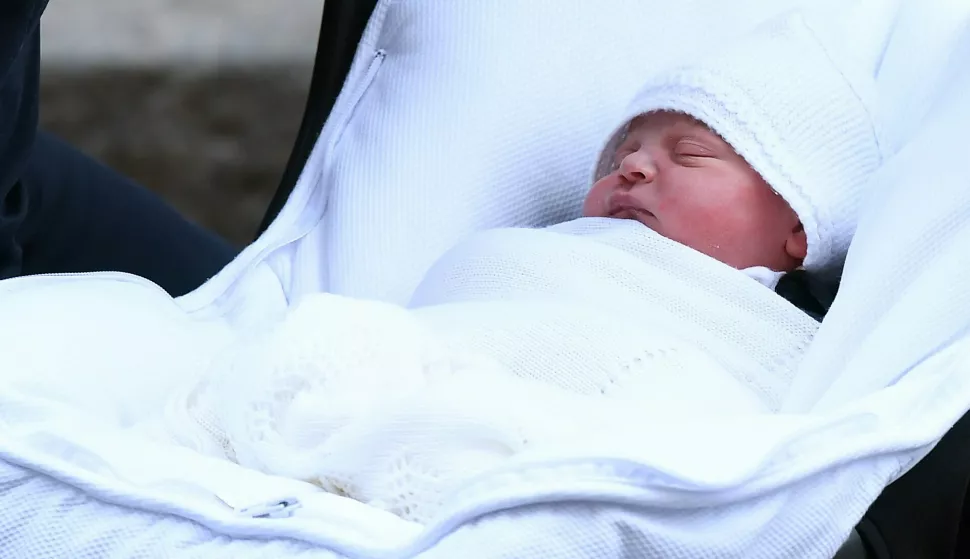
x=293, y=216
x=300, y=199
x=305, y=193
x=281, y=508
x=10, y=284
x=284, y=507
x=377, y=60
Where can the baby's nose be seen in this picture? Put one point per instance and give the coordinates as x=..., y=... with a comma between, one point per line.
x=638, y=167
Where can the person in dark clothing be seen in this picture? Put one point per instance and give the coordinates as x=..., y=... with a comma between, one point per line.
x=61, y=211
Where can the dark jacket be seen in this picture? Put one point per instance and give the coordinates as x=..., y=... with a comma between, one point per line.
x=19, y=68
x=61, y=211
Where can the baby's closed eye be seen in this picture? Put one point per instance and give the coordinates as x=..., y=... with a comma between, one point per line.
x=688, y=151
x=693, y=148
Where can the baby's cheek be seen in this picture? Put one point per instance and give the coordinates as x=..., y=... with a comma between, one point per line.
x=595, y=203
x=665, y=206
x=707, y=226
x=697, y=214
x=589, y=205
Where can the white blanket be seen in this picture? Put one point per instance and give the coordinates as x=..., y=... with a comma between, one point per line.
x=885, y=378
x=518, y=342
x=609, y=286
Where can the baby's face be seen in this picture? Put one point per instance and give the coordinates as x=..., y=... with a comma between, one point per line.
x=677, y=177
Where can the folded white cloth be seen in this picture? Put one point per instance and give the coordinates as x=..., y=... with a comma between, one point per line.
x=518, y=341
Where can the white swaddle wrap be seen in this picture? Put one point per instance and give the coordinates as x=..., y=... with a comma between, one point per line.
x=518, y=341
x=597, y=292
x=884, y=378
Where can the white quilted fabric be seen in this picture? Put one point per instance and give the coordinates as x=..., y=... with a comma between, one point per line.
x=48, y=519
x=493, y=138
x=885, y=378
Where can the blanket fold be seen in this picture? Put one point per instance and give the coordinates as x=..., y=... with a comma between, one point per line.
x=518, y=342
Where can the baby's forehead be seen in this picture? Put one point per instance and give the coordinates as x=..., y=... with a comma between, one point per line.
x=668, y=120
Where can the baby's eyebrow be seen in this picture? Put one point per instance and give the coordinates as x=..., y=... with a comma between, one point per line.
x=703, y=132
x=693, y=123
x=696, y=140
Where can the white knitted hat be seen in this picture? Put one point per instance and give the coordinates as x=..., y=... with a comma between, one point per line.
x=793, y=112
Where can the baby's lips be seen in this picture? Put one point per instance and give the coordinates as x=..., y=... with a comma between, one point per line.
x=624, y=201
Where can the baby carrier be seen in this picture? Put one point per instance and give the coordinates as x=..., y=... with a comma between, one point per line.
x=867, y=480
x=919, y=515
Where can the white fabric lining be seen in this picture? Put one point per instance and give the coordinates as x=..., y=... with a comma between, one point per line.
x=897, y=424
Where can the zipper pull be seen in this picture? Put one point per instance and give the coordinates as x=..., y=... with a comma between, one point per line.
x=282, y=508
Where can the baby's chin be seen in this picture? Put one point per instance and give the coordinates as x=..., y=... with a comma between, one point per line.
x=629, y=220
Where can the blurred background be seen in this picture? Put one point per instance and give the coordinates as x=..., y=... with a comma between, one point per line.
x=199, y=100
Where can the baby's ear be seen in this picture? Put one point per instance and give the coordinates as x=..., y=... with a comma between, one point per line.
x=797, y=244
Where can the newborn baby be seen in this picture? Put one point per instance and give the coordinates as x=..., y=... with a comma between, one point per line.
x=675, y=175
x=582, y=335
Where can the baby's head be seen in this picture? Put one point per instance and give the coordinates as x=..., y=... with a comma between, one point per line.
x=757, y=156
x=680, y=178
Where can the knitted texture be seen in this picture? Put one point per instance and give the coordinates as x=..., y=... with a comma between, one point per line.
x=497, y=124
x=520, y=341
x=606, y=282
x=786, y=105
x=693, y=486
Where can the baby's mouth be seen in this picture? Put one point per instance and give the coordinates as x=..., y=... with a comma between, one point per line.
x=630, y=212
x=622, y=205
